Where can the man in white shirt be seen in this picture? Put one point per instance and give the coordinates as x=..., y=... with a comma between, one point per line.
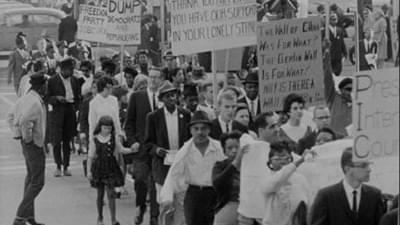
x=29, y=122
x=193, y=167
x=253, y=169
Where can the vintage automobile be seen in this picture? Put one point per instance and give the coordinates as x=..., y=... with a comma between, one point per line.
x=32, y=21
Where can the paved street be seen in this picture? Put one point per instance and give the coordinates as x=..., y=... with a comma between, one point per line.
x=63, y=201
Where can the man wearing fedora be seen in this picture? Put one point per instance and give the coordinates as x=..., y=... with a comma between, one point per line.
x=166, y=132
x=29, y=124
x=191, y=172
x=251, y=99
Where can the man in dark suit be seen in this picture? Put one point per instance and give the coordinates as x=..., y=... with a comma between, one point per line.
x=63, y=96
x=338, y=47
x=67, y=28
x=225, y=122
x=140, y=104
x=350, y=201
x=166, y=131
x=251, y=99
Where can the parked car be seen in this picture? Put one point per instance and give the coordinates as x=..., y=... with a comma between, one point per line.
x=32, y=21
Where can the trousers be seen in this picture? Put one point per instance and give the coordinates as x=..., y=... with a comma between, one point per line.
x=199, y=205
x=35, y=161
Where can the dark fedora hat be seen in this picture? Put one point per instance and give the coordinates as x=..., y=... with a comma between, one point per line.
x=38, y=79
x=251, y=78
x=169, y=55
x=190, y=90
x=200, y=117
x=165, y=88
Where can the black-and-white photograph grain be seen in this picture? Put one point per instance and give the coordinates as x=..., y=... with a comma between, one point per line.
x=199, y=112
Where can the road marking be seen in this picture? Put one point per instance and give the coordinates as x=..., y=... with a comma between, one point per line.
x=4, y=157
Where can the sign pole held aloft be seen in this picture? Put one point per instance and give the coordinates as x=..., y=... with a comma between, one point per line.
x=327, y=20
x=214, y=74
x=227, y=60
x=357, y=41
x=121, y=60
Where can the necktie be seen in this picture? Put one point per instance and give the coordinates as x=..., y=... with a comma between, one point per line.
x=227, y=127
x=253, y=113
x=154, y=102
x=354, y=209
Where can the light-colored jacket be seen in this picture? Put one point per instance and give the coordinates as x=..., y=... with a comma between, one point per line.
x=28, y=118
x=175, y=182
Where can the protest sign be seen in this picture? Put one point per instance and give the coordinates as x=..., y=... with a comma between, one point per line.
x=205, y=25
x=290, y=61
x=326, y=170
x=376, y=114
x=111, y=22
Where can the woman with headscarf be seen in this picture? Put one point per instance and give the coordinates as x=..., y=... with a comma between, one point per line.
x=380, y=37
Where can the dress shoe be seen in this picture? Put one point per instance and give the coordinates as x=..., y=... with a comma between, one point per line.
x=33, y=222
x=57, y=173
x=67, y=173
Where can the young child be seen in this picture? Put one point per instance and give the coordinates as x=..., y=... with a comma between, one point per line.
x=105, y=174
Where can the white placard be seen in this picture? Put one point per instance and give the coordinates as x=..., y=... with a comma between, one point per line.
x=376, y=114
x=290, y=61
x=111, y=22
x=205, y=25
